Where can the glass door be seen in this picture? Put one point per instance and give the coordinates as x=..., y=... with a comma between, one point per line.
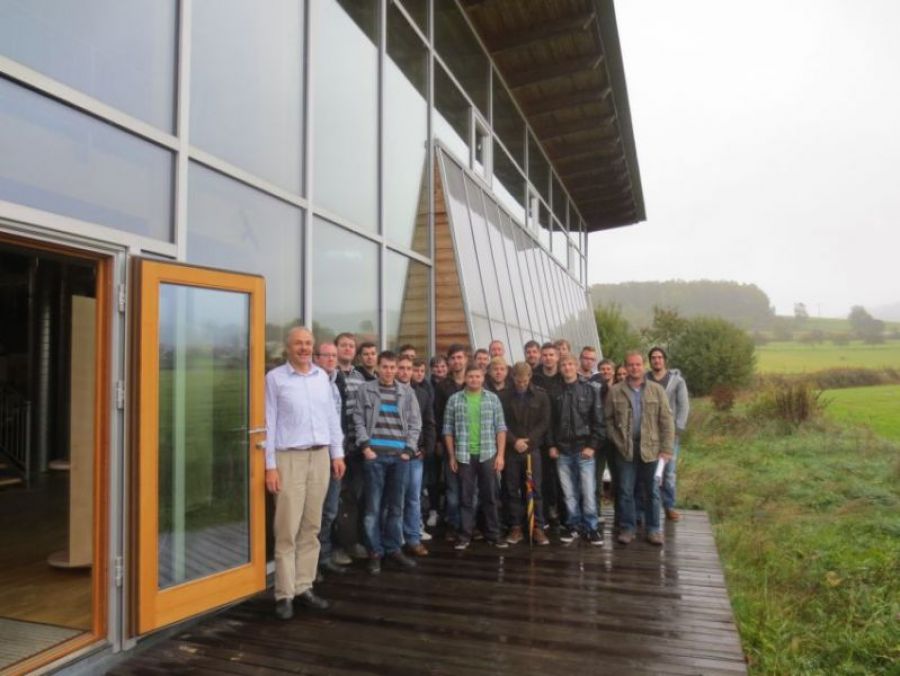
x=199, y=420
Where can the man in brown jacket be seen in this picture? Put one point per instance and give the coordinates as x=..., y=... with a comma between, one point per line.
x=640, y=424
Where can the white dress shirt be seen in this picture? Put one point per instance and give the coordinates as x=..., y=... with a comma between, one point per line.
x=300, y=412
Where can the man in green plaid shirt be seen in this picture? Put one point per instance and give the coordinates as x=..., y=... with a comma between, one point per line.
x=475, y=439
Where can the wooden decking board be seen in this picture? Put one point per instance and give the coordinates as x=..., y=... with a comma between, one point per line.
x=561, y=609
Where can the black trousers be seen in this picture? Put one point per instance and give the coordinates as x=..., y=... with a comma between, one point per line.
x=514, y=486
x=479, y=478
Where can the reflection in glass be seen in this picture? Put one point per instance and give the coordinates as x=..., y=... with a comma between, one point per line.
x=121, y=53
x=457, y=45
x=509, y=184
x=345, y=102
x=344, y=283
x=509, y=124
x=406, y=136
x=559, y=201
x=481, y=328
x=543, y=223
x=406, y=302
x=451, y=116
x=464, y=245
x=203, y=432
x=247, y=59
x=418, y=10
x=517, y=270
x=504, y=283
x=559, y=242
x=234, y=227
x=57, y=159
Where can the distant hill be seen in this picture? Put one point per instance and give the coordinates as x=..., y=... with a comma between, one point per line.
x=744, y=304
x=889, y=313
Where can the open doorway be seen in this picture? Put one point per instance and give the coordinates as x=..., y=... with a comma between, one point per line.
x=49, y=361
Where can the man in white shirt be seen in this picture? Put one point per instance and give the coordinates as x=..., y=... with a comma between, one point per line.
x=304, y=445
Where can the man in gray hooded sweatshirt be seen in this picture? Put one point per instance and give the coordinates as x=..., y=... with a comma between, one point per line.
x=677, y=393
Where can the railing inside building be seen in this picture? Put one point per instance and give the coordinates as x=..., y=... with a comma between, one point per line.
x=15, y=432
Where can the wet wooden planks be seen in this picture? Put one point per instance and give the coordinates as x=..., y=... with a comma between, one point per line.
x=562, y=609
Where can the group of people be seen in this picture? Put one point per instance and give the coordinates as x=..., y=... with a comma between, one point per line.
x=367, y=451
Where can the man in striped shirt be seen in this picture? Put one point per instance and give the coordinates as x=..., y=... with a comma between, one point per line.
x=387, y=421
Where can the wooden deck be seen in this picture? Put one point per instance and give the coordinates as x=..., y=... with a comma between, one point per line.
x=564, y=609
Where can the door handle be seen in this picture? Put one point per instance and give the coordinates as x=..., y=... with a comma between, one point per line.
x=256, y=430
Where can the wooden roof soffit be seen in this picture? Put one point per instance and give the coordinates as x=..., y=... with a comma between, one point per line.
x=555, y=104
x=562, y=26
x=532, y=76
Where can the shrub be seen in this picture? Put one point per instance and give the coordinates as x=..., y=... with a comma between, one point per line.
x=723, y=397
x=616, y=334
x=840, y=339
x=711, y=351
x=793, y=403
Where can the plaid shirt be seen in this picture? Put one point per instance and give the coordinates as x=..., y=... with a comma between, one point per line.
x=456, y=424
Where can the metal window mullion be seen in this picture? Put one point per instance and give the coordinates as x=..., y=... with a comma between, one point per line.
x=311, y=18
x=182, y=128
x=382, y=251
x=432, y=182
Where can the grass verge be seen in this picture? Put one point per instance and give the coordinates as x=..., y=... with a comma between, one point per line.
x=808, y=527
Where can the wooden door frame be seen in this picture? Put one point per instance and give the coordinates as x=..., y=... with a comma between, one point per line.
x=152, y=608
x=103, y=266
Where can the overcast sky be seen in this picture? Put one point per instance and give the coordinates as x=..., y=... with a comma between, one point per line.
x=768, y=138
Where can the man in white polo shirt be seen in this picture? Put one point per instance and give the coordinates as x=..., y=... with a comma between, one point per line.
x=304, y=445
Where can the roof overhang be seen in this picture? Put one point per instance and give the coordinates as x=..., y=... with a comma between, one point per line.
x=563, y=63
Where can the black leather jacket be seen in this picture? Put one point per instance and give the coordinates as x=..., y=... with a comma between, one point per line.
x=577, y=416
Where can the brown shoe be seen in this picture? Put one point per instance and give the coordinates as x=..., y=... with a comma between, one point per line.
x=539, y=537
x=672, y=515
x=655, y=539
x=515, y=535
x=417, y=550
x=625, y=537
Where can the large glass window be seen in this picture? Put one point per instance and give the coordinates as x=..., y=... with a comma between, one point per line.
x=247, y=59
x=345, y=103
x=559, y=201
x=406, y=301
x=418, y=10
x=498, y=251
x=560, y=242
x=344, y=283
x=466, y=257
x=483, y=251
x=508, y=122
x=509, y=184
x=457, y=45
x=451, y=116
x=538, y=168
x=406, y=135
x=121, y=53
x=58, y=159
x=517, y=271
x=235, y=227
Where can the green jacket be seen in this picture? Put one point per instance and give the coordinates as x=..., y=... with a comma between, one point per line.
x=657, y=423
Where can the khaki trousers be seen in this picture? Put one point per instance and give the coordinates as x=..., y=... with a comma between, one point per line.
x=298, y=515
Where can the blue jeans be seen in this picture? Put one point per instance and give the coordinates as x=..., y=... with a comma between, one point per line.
x=667, y=491
x=329, y=513
x=634, y=477
x=579, y=485
x=412, y=505
x=385, y=479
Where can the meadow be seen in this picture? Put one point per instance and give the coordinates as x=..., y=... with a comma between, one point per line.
x=796, y=357
x=877, y=408
x=807, y=523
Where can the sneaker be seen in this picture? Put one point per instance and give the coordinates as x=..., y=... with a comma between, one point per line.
x=539, y=537
x=424, y=535
x=567, y=535
x=499, y=544
x=399, y=560
x=432, y=518
x=417, y=550
x=284, y=609
x=595, y=537
x=625, y=537
x=655, y=539
x=340, y=557
x=515, y=535
x=477, y=535
x=450, y=535
x=358, y=552
x=374, y=565
x=461, y=545
x=672, y=515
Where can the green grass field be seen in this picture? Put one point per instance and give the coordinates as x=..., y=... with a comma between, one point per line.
x=794, y=357
x=876, y=407
x=808, y=527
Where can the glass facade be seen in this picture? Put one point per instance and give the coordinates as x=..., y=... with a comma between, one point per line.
x=515, y=289
x=294, y=140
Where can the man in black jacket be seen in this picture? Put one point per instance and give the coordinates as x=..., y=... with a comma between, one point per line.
x=527, y=413
x=547, y=377
x=577, y=430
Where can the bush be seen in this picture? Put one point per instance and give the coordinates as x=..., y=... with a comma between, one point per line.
x=723, y=397
x=840, y=339
x=710, y=352
x=793, y=403
x=616, y=334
